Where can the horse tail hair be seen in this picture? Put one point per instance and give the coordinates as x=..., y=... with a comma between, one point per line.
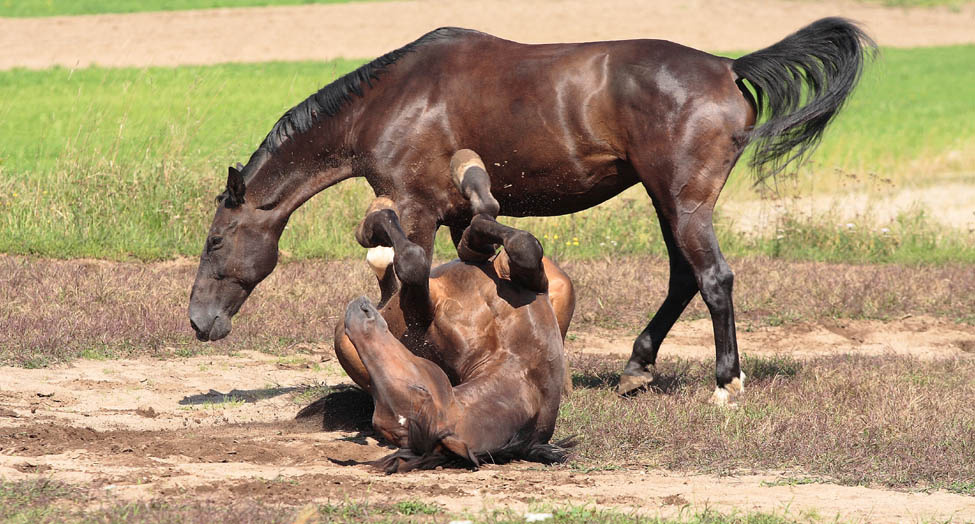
x=520, y=448
x=800, y=84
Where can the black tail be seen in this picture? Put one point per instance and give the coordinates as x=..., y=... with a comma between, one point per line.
x=800, y=83
x=522, y=448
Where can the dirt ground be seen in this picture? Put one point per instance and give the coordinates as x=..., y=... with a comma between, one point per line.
x=362, y=30
x=148, y=428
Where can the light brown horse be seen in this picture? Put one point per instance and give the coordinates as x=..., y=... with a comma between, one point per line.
x=565, y=127
x=464, y=361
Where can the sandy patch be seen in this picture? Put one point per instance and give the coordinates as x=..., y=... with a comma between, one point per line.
x=947, y=204
x=362, y=30
x=918, y=337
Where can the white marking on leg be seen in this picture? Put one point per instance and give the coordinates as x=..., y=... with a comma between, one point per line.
x=379, y=258
x=461, y=162
x=720, y=397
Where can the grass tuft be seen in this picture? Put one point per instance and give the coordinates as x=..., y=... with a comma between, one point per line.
x=765, y=368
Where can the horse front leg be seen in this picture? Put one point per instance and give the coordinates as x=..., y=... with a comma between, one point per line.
x=410, y=261
x=478, y=243
x=379, y=258
x=400, y=265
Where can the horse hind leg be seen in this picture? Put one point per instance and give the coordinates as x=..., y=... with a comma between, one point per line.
x=682, y=286
x=687, y=215
x=479, y=241
x=471, y=178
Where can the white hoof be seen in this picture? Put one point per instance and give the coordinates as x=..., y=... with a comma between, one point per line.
x=379, y=258
x=725, y=396
x=720, y=397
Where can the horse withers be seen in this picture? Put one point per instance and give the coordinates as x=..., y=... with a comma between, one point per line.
x=564, y=127
x=464, y=362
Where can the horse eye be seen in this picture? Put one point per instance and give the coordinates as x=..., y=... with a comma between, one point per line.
x=214, y=243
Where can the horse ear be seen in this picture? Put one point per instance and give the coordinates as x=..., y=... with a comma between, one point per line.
x=235, y=187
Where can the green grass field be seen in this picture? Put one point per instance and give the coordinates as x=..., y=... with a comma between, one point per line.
x=124, y=163
x=90, y=7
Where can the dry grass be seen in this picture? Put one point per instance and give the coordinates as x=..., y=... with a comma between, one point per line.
x=893, y=421
x=54, y=310
x=615, y=292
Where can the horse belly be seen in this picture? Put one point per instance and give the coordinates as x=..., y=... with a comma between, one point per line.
x=559, y=191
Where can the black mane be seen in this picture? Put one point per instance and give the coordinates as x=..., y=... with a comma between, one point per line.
x=330, y=99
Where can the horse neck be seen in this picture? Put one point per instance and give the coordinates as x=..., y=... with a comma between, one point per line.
x=301, y=167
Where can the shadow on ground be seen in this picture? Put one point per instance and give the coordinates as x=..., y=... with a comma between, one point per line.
x=345, y=408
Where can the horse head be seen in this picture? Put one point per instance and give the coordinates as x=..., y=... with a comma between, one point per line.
x=241, y=249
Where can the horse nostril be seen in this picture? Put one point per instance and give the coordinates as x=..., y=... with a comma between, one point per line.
x=195, y=327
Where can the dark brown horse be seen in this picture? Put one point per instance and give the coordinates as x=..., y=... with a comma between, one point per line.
x=464, y=361
x=567, y=126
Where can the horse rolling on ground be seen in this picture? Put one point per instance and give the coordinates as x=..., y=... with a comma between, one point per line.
x=566, y=127
x=465, y=361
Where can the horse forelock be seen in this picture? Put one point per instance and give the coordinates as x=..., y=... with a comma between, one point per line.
x=327, y=101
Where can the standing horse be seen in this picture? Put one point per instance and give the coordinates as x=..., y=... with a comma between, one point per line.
x=566, y=127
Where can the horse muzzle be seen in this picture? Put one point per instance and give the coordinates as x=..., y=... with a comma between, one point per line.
x=208, y=326
x=362, y=318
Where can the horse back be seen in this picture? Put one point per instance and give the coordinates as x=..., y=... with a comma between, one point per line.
x=555, y=123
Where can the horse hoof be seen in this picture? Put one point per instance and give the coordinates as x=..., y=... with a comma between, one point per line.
x=726, y=396
x=471, y=255
x=722, y=398
x=630, y=383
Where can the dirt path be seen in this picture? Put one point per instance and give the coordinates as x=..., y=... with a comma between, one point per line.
x=368, y=29
x=918, y=337
x=145, y=428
